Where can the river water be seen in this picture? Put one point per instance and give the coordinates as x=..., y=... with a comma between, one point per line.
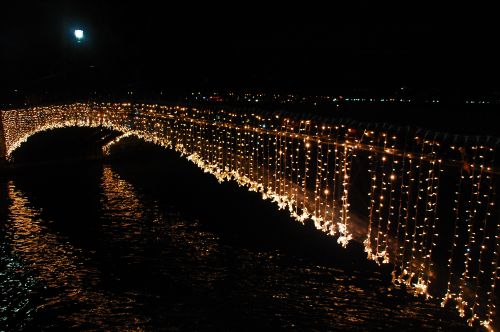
x=158, y=245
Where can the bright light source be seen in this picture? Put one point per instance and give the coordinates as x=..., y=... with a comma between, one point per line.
x=79, y=34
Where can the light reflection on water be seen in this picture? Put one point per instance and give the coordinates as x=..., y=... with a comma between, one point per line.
x=145, y=267
x=63, y=275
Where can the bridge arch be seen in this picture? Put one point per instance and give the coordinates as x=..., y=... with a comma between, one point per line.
x=306, y=167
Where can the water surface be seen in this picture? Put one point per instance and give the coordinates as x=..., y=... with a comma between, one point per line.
x=119, y=247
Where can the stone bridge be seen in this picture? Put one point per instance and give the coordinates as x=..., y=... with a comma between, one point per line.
x=421, y=201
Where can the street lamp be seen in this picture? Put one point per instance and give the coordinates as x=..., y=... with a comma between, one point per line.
x=78, y=35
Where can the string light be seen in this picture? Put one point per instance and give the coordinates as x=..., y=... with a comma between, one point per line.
x=372, y=172
x=487, y=199
x=456, y=226
x=316, y=217
x=405, y=276
x=307, y=158
x=412, y=265
x=400, y=222
x=327, y=219
x=490, y=294
x=390, y=208
x=335, y=180
x=427, y=200
x=434, y=218
x=470, y=211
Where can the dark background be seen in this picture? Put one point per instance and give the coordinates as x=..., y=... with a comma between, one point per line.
x=303, y=47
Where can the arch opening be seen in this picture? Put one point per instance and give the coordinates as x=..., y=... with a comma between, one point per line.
x=63, y=144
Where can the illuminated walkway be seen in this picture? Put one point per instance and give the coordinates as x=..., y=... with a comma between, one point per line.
x=429, y=199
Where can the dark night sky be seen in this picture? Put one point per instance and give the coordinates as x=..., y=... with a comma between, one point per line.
x=245, y=44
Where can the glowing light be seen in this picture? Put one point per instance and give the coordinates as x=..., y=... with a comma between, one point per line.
x=78, y=34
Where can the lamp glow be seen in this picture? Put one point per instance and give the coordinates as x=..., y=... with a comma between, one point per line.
x=79, y=34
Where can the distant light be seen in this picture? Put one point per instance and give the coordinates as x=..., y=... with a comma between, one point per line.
x=79, y=34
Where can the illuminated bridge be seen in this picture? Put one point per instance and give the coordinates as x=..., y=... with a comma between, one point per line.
x=421, y=201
